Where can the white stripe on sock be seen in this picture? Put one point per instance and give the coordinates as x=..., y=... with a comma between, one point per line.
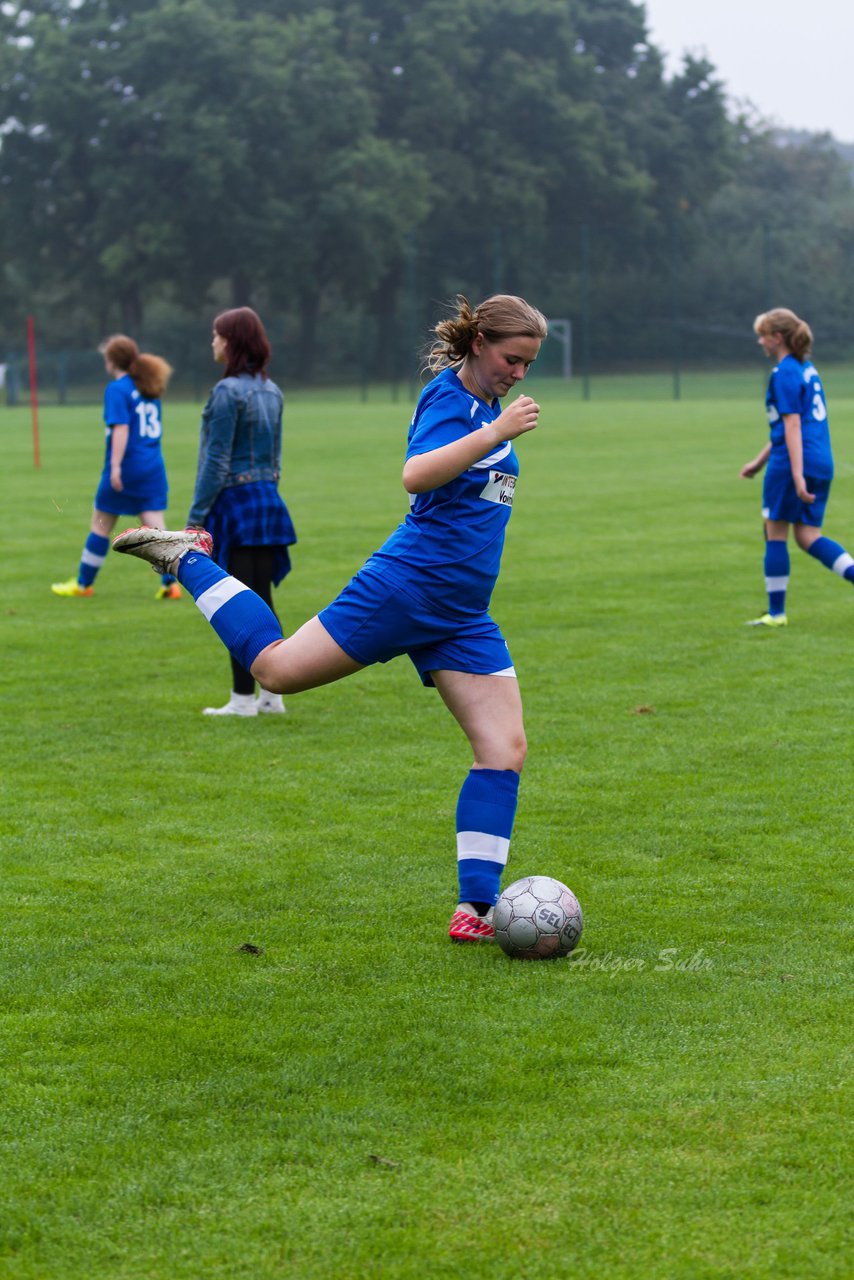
x=482, y=847
x=841, y=563
x=88, y=557
x=218, y=595
x=776, y=584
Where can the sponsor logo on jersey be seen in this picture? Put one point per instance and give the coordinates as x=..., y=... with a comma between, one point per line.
x=499, y=488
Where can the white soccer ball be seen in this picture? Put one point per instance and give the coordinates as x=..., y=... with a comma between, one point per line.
x=537, y=918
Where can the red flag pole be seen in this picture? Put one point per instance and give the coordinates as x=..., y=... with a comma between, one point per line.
x=34, y=389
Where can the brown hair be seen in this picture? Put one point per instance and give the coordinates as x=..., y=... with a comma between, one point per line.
x=795, y=332
x=248, y=349
x=150, y=373
x=501, y=316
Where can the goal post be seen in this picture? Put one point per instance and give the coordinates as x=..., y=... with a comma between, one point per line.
x=561, y=331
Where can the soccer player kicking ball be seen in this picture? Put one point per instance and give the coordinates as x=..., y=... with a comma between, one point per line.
x=426, y=591
x=799, y=458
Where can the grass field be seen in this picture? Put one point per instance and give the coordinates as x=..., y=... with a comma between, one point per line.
x=361, y=1098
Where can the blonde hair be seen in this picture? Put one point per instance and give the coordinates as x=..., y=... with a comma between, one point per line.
x=795, y=332
x=501, y=316
x=150, y=373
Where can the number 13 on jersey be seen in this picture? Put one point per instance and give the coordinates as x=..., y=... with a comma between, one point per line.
x=149, y=420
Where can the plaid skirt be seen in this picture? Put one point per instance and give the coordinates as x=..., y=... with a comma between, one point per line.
x=252, y=515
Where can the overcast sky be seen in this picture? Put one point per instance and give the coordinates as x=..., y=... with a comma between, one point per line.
x=792, y=59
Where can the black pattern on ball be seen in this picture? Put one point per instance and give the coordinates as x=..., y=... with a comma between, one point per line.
x=537, y=918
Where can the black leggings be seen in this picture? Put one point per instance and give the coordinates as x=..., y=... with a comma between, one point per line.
x=253, y=566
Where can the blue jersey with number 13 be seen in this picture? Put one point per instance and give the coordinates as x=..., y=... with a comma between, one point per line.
x=143, y=458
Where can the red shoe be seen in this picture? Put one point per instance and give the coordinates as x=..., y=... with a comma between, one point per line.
x=466, y=927
x=170, y=592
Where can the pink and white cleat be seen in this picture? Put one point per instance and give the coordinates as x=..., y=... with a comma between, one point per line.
x=163, y=548
x=467, y=926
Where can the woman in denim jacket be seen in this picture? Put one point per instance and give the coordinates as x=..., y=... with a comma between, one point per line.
x=236, y=496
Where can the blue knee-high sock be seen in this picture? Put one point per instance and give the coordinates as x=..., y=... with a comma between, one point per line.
x=94, y=554
x=485, y=812
x=776, y=574
x=243, y=622
x=833, y=556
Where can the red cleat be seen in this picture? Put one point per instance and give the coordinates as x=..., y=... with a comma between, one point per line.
x=466, y=927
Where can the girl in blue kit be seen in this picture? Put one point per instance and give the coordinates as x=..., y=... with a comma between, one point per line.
x=133, y=481
x=798, y=457
x=426, y=591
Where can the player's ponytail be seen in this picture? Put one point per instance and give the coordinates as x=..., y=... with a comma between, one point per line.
x=795, y=332
x=150, y=373
x=454, y=336
x=502, y=316
x=801, y=340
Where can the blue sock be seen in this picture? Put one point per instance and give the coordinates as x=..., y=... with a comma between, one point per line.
x=243, y=622
x=485, y=812
x=834, y=557
x=167, y=579
x=776, y=574
x=94, y=554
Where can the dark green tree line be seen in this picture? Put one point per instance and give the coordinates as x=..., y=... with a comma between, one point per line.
x=347, y=165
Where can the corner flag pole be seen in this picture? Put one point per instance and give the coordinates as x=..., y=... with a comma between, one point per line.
x=34, y=389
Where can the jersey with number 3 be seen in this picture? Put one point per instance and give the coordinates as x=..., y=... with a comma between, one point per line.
x=795, y=387
x=448, y=549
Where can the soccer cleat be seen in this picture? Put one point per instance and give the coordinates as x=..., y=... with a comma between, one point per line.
x=170, y=591
x=270, y=704
x=71, y=588
x=769, y=620
x=467, y=927
x=163, y=547
x=245, y=707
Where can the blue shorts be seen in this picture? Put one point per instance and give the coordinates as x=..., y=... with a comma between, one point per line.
x=374, y=621
x=123, y=502
x=781, y=502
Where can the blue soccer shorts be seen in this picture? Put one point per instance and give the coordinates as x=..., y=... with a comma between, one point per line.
x=374, y=620
x=781, y=502
x=125, y=502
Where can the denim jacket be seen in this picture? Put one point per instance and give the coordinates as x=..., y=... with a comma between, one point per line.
x=241, y=439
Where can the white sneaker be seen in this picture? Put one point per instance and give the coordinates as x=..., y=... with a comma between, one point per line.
x=270, y=704
x=239, y=704
x=163, y=548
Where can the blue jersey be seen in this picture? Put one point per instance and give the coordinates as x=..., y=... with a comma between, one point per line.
x=448, y=549
x=796, y=388
x=142, y=464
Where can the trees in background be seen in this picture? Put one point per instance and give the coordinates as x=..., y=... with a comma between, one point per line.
x=348, y=165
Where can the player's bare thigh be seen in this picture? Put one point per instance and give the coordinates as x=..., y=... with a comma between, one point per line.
x=806, y=534
x=488, y=709
x=777, y=530
x=103, y=523
x=154, y=519
x=305, y=660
